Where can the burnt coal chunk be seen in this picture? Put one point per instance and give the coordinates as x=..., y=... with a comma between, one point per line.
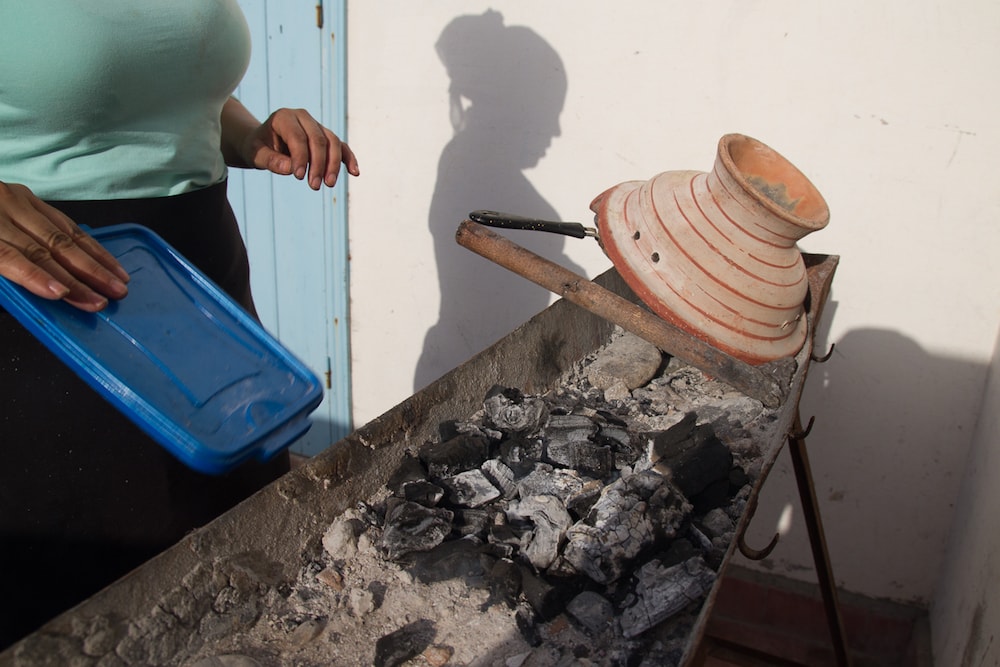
x=501, y=476
x=510, y=411
x=611, y=418
x=504, y=577
x=581, y=455
x=546, y=598
x=520, y=454
x=660, y=592
x=569, y=428
x=453, y=428
x=580, y=502
x=405, y=643
x=461, y=453
x=528, y=626
x=450, y=428
x=412, y=527
x=410, y=469
x=471, y=523
x=679, y=551
x=502, y=534
x=614, y=436
x=569, y=443
x=593, y=611
x=470, y=489
x=370, y=515
x=423, y=492
x=550, y=521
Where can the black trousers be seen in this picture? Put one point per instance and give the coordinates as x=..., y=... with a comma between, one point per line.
x=85, y=495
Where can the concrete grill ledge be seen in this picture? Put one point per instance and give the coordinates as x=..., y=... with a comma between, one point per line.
x=195, y=604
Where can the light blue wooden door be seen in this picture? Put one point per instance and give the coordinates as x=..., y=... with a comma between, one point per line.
x=297, y=238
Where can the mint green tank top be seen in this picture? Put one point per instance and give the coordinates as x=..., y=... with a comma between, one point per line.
x=116, y=99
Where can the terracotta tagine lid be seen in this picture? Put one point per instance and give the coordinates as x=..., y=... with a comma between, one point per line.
x=715, y=253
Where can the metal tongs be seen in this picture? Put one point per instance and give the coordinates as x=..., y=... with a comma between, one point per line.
x=511, y=221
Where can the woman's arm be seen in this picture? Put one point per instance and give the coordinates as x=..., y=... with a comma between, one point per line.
x=290, y=141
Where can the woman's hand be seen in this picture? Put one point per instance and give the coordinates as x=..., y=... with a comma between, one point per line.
x=290, y=141
x=45, y=252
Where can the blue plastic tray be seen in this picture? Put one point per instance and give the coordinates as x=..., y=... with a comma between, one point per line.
x=178, y=357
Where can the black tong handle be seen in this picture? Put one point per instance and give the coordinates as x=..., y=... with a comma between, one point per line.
x=511, y=221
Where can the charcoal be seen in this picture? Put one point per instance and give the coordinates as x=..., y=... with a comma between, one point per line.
x=558, y=548
x=426, y=493
x=661, y=592
x=679, y=551
x=611, y=418
x=716, y=524
x=666, y=508
x=592, y=610
x=544, y=480
x=470, y=522
x=699, y=538
x=580, y=502
x=505, y=581
x=403, y=644
x=569, y=428
x=503, y=534
x=527, y=625
x=501, y=476
x=470, y=489
x=550, y=520
x=614, y=435
x=581, y=455
x=453, y=428
x=545, y=598
x=461, y=453
x=719, y=529
x=621, y=525
x=521, y=454
x=412, y=527
x=511, y=412
x=369, y=514
x=499, y=549
x=410, y=470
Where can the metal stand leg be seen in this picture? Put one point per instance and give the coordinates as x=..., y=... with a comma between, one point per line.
x=814, y=525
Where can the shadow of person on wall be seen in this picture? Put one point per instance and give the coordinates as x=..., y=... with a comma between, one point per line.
x=894, y=425
x=507, y=92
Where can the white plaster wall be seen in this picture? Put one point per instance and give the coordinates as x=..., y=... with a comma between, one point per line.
x=889, y=107
x=964, y=613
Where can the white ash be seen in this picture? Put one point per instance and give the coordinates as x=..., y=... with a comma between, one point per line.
x=356, y=603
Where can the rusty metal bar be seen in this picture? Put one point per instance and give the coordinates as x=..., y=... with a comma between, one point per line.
x=817, y=539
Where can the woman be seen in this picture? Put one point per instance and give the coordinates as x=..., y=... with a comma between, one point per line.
x=114, y=111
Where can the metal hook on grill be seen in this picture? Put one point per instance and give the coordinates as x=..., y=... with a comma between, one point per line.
x=748, y=551
x=801, y=435
x=826, y=357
